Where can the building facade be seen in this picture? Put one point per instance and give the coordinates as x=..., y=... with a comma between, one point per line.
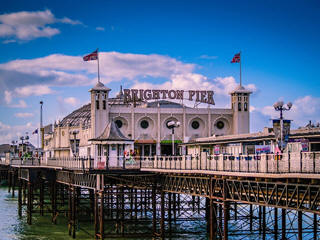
x=143, y=125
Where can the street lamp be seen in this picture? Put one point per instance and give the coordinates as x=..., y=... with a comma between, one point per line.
x=22, y=138
x=172, y=125
x=279, y=106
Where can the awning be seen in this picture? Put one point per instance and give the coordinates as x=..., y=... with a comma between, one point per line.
x=145, y=141
x=170, y=141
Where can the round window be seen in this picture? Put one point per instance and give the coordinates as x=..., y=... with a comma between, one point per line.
x=144, y=124
x=119, y=123
x=220, y=125
x=195, y=124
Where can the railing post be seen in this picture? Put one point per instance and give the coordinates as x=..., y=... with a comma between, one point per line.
x=301, y=161
x=289, y=162
x=278, y=162
x=314, y=162
x=267, y=158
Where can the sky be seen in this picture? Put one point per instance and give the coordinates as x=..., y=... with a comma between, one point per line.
x=157, y=44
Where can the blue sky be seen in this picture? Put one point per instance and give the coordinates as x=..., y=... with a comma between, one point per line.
x=156, y=44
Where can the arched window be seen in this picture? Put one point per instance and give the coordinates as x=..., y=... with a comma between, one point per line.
x=245, y=106
x=239, y=106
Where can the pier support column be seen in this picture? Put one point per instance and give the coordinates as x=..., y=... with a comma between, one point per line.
x=154, y=210
x=315, y=226
x=101, y=215
x=283, y=224
x=13, y=182
x=212, y=218
x=162, y=220
x=96, y=215
x=250, y=217
x=53, y=201
x=169, y=214
x=225, y=219
x=276, y=223
x=29, y=206
x=20, y=197
x=264, y=223
x=299, y=225
x=41, y=197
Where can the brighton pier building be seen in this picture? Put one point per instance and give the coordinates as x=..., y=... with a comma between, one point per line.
x=136, y=121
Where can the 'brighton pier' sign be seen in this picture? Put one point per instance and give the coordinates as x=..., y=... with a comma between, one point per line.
x=132, y=95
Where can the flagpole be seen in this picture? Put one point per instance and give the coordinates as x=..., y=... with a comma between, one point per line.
x=240, y=70
x=98, y=65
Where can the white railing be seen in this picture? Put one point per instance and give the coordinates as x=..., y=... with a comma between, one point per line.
x=301, y=162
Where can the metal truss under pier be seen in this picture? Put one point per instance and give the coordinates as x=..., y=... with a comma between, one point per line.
x=165, y=205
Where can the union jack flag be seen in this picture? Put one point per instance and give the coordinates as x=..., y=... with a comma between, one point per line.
x=236, y=58
x=91, y=56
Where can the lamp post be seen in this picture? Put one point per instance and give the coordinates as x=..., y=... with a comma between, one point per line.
x=22, y=138
x=279, y=106
x=172, y=125
x=14, y=147
x=41, y=127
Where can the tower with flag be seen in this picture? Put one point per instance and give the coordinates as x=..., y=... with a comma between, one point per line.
x=237, y=59
x=93, y=56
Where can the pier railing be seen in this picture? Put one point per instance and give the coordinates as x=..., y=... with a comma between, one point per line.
x=300, y=162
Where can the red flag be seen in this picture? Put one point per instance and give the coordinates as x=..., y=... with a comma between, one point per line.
x=91, y=56
x=236, y=58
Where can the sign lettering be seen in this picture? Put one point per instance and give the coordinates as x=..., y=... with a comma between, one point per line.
x=133, y=95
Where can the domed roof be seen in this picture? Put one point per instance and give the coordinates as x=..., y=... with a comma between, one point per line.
x=100, y=87
x=240, y=89
x=82, y=114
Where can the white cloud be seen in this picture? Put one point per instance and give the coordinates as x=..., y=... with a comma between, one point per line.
x=208, y=57
x=7, y=96
x=71, y=101
x=24, y=115
x=14, y=132
x=33, y=90
x=20, y=104
x=304, y=109
x=100, y=29
x=137, y=69
x=30, y=25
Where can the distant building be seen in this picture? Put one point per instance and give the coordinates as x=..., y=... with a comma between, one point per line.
x=303, y=139
x=142, y=124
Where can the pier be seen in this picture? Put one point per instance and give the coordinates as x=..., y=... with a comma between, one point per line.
x=167, y=197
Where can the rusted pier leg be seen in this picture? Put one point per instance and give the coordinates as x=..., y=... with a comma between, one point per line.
x=91, y=197
x=263, y=223
x=315, y=226
x=299, y=225
x=260, y=218
x=131, y=203
x=154, y=211
x=73, y=214
x=235, y=211
x=162, y=220
x=20, y=197
x=101, y=215
x=136, y=203
x=169, y=215
x=276, y=223
x=29, y=206
x=283, y=224
x=122, y=211
x=54, y=201
x=9, y=181
x=96, y=215
x=250, y=217
x=117, y=209
x=225, y=219
x=211, y=218
x=24, y=193
x=41, y=197
x=13, y=183
x=174, y=207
